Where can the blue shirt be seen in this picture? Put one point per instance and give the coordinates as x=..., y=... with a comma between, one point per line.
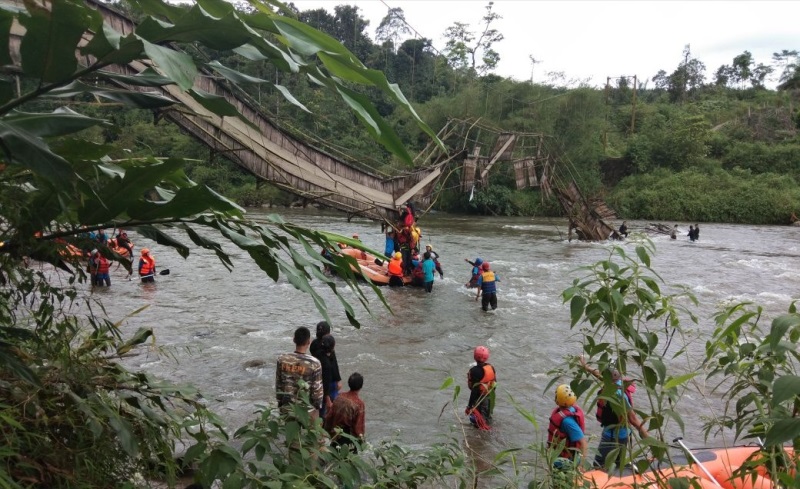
x=388, y=249
x=570, y=427
x=428, y=267
x=619, y=431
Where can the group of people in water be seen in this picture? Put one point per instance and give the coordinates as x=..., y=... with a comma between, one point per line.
x=99, y=265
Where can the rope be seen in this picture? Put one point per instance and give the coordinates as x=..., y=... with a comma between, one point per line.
x=480, y=421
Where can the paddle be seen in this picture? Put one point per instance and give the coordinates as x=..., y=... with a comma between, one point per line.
x=162, y=272
x=679, y=441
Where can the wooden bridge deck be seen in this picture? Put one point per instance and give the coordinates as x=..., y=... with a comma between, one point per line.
x=270, y=153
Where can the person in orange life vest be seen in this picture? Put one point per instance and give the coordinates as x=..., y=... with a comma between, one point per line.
x=435, y=258
x=124, y=242
x=616, y=427
x=396, y=270
x=487, y=284
x=147, y=266
x=481, y=380
x=476, y=272
x=567, y=428
x=99, y=266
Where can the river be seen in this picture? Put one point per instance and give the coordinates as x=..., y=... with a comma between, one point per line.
x=215, y=323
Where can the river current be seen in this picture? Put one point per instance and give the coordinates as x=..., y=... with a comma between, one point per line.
x=224, y=330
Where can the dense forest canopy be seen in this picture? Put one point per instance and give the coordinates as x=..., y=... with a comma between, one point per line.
x=654, y=148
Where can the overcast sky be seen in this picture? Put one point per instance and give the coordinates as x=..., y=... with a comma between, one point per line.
x=598, y=39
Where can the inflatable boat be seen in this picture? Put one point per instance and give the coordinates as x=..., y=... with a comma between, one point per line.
x=376, y=269
x=717, y=468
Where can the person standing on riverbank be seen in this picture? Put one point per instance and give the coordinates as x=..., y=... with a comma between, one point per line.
x=292, y=368
x=481, y=380
x=326, y=354
x=348, y=414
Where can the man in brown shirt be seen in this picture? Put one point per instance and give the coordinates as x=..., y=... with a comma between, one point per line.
x=347, y=413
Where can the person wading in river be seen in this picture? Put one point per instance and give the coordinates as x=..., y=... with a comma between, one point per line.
x=487, y=284
x=481, y=380
x=147, y=266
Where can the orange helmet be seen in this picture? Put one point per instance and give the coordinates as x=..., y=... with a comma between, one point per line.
x=145, y=251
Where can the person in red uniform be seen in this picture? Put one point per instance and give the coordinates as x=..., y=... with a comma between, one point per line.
x=347, y=415
x=481, y=380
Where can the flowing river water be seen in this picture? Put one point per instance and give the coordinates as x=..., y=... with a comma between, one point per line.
x=224, y=330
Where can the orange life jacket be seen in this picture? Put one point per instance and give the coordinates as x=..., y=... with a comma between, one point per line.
x=488, y=381
x=396, y=267
x=148, y=266
x=101, y=264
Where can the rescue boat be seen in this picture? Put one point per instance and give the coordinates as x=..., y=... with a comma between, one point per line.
x=369, y=267
x=116, y=248
x=708, y=467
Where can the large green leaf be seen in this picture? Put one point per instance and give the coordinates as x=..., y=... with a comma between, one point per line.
x=378, y=128
x=785, y=388
x=52, y=35
x=187, y=202
x=159, y=8
x=162, y=238
x=214, y=103
x=784, y=430
x=176, y=65
x=28, y=151
x=110, y=47
x=308, y=41
x=142, y=100
x=288, y=96
x=196, y=25
x=60, y=122
x=120, y=193
x=147, y=78
x=233, y=75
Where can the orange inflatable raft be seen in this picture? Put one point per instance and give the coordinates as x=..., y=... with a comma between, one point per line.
x=369, y=267
x=719, y=463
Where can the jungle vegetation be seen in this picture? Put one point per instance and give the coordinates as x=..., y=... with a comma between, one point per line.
x=74, y=417
x=654, y=151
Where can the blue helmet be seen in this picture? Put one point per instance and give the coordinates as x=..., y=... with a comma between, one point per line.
x=478, y=261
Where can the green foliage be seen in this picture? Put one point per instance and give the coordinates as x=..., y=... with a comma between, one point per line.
x=714, y=196
x=71, y=415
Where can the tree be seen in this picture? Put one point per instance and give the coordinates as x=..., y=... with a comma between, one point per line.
x=83, y=416
x=464, y=55
x=393, y=27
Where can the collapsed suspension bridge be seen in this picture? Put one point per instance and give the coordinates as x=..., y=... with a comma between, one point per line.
x=262, y=148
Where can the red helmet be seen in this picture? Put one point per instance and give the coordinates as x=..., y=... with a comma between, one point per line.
x=481, y=354
x=485, y=265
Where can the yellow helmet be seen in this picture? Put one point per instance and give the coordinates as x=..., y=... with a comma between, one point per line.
x=398, y=255
x=564, y=396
